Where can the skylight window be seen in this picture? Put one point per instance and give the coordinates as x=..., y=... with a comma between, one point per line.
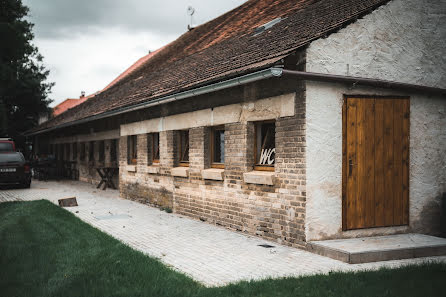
x=269, y=25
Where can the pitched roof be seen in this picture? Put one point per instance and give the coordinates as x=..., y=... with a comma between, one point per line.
x=225, y=47
x=132, y=68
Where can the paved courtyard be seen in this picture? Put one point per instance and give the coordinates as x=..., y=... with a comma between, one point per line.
x=209, y=254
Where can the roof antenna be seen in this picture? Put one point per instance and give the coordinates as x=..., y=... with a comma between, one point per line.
x=191, y=11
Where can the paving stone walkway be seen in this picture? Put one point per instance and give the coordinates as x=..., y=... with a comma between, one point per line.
x=209, y=254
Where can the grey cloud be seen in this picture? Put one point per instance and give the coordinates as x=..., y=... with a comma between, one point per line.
x=61, y=18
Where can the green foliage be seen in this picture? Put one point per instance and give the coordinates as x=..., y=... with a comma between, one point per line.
x=23, y=86
x=47, y=251
x=166, y=209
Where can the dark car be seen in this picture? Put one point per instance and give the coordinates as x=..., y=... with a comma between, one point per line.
x=14, y=170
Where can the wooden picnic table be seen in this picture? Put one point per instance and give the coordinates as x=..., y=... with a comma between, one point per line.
x=106, y=173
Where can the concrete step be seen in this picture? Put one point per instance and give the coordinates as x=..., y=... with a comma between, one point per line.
x=380, y=248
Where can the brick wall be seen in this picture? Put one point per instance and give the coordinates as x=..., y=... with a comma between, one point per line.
x=140, y=185
x=274, y=212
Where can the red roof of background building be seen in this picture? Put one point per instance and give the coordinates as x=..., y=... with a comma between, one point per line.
x=67, y=104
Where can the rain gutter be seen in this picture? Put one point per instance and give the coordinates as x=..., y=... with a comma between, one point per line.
x=252, y=77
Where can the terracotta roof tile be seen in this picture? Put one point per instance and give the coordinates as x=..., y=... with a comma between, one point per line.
x=132, y=68
x=222, y=48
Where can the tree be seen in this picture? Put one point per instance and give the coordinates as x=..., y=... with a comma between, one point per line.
x=23, y=78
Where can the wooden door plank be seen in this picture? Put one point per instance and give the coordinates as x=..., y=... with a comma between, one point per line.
x=388, y=160
x=351, y=190
x=405, y=161
x=379, y=164
x=360, y=207
x=398, y=115
x=369, y=162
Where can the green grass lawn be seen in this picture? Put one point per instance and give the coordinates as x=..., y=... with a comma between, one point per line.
x=47, y=251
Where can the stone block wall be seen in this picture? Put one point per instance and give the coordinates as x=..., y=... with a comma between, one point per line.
x=274, y=212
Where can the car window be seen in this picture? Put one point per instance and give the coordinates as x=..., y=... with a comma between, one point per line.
x=6, y=147
x=11, y=158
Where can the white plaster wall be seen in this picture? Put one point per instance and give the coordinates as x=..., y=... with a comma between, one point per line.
x=324, y=161
x=401, y=41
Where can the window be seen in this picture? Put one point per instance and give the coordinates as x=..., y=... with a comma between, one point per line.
x=91, y=151
x=101, y=151
x=113, y=154
x=217, y=146
x=57, y=151
x=67, y=151
x=183, y=147
x=131, y=149
x=265, y=146
x=74, y=151
x=6, y=147
x=82, y=156
x=154, y=147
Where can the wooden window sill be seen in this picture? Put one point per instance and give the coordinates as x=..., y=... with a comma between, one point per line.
x=213, y=173
x=259, y=177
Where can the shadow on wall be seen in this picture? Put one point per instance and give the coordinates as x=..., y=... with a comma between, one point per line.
x=433, y=217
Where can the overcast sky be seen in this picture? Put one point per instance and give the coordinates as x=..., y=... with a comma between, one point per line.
x=88, y=43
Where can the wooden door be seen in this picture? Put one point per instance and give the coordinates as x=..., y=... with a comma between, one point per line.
x=375, y=162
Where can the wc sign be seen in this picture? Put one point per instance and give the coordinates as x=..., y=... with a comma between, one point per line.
x=265, y=156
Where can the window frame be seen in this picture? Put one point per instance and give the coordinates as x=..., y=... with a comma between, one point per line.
x=212, y=147
x=91, y=152
x=67, y=152
x=181, y=134
x=263, y=167
x=114, y=150
x=82, y=153
x=155, y=161
x=74, y=151
x=101, y=153
x=132, y=149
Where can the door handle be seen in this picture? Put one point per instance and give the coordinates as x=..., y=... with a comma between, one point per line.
x=350, y=167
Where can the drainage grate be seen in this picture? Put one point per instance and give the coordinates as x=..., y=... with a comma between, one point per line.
x=267, y=246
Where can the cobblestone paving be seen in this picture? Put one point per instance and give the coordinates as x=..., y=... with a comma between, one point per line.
x=209, y=254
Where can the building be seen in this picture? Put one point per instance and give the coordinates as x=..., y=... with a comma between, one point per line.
x=291, y=120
